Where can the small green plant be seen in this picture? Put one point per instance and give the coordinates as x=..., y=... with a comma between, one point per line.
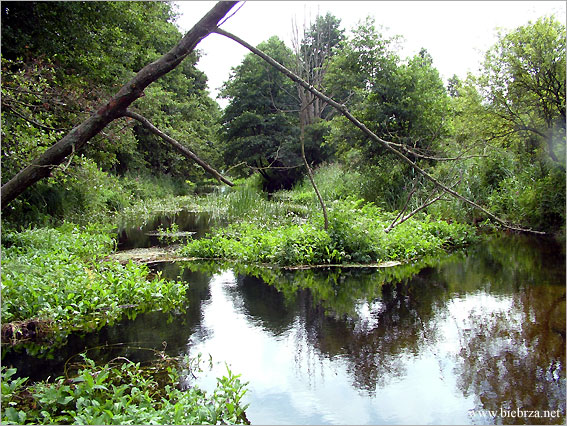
x=122, y=393
x=58, y=281
x=168, y=235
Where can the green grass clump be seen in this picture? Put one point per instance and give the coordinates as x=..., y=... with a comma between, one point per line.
x=121, y=394
x=57, y=278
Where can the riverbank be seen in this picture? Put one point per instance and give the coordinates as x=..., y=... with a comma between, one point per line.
x=55, y=281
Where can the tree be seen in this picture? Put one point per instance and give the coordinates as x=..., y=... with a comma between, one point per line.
x=259, y=125
x=313, y=53
x=438, y=185
x=404, y=102
x=524, y=83
x=114, y=108
x=106, y=41
x=513, y=115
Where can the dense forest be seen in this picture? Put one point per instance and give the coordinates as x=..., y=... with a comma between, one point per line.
x=306, y=185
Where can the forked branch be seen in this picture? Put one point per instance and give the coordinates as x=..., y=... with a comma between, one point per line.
x=115, y=107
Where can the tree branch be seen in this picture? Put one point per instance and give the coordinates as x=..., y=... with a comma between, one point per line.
x=368, y=132
x=115, y=107
x=309, y=172
x=179, y=147
x=29, y=120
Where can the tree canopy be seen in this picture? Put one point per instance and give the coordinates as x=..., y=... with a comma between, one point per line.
x=524, y=82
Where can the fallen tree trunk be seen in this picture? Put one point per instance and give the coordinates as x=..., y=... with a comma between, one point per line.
x=115, y=107
x=179, y=147
x=344, y=111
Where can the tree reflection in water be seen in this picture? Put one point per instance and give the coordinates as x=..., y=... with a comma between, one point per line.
x=505, y=301
x=514, y=358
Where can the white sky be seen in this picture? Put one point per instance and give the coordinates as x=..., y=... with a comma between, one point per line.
x=455, y=33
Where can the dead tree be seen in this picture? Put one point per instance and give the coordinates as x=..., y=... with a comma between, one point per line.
x=311, y=64
x=388, y=146
x=115, y=107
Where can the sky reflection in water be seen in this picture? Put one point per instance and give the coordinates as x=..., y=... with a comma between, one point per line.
x=478, y=332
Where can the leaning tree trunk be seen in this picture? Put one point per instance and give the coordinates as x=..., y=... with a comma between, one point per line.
x=302, y=122
x=115, y=108
x=179, y=147
x=388, y=146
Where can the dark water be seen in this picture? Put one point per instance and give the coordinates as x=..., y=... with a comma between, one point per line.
x=141, y=234
x=475, y=331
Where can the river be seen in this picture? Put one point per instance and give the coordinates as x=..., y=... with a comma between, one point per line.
x=474, y=334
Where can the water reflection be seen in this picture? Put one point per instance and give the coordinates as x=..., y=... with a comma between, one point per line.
x=141, y=234
x=482, y=331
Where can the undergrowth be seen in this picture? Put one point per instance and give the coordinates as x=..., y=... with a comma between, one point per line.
x=355, y=235
x=56, y=280
x=121, y=393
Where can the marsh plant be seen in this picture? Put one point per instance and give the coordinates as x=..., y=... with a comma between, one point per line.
x=355, y=235
x=58, y=280
x=122, y=392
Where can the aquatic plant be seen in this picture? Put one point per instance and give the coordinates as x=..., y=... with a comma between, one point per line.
x=55, y=281
x=121, y=393
x=355, y=235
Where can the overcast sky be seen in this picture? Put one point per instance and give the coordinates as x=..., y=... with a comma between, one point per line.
x=455, y=33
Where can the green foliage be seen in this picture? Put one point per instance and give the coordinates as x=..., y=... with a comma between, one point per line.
x=93, y=49
x=533, y=196
x=334, y=181
x=83, y=193
x=524, y=81
x=121, y=394
x=259, y=124
x=57, y=277
x=406, y=103
x=513, y=117
x=106, y=41
x=355, y=235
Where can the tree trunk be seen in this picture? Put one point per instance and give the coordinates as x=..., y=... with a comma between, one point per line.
x=302, y=123
x=388, y=146
x=115, y=108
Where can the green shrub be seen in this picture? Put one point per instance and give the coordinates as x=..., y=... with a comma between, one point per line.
x=534, y=198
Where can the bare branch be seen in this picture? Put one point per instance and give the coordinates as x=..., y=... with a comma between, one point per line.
x=417, y=210
x=309, y=172
x=29, y=120
x=179, y=147
x=401, y=211
x=369, y=133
